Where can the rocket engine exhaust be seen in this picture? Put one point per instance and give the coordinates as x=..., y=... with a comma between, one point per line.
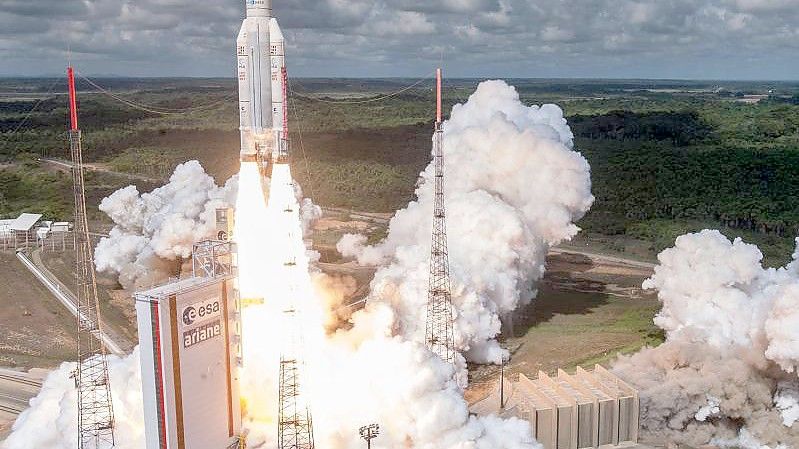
x=262, y=114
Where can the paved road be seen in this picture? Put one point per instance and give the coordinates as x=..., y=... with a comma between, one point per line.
x=16, y=391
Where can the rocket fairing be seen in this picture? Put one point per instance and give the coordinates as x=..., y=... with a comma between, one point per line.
x=261, y=61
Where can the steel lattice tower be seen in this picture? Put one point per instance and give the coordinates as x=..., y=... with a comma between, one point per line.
x=295, y=425
x=439, y=334
x=95, y=409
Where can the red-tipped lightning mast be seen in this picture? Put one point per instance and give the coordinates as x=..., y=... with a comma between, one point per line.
x=439, y=332
x=73, y=100
x=95, y=410
x=438, y=96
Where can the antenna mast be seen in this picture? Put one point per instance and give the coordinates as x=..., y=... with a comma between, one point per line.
x=439, y=334
x=95, y=408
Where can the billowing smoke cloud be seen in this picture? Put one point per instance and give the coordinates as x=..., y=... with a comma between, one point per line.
x=154, y=230
x=370, y=374
x=360, y=379
x=787, y=402
x=726, y=373
x=52, y=420
x=514, y=187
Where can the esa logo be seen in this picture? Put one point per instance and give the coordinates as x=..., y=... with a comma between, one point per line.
x=201, y=312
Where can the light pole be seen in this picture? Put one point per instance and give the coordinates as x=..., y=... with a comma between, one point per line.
x=502, y=385
x=369, y=433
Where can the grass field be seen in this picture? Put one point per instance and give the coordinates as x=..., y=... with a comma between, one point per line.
x=667, y=156
x=587, y=312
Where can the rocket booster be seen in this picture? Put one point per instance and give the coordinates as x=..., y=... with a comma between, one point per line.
x=261, y=61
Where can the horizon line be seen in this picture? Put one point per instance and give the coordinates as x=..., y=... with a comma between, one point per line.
x=456, y=78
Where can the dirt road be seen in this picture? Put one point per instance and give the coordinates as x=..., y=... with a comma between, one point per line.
x=603, y=258
x=64, y=165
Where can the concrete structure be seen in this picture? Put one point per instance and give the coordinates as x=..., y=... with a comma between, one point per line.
x=190, y=338
x=583, y=410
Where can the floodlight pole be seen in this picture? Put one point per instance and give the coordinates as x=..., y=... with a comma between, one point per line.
x=369, y=433
x=502, y=385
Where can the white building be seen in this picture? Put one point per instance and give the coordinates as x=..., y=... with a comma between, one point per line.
x=23, y=230
x=189, y=334
x=571, y=411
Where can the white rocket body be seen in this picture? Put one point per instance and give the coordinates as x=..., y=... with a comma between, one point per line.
x=261, y=60
x=278, y=60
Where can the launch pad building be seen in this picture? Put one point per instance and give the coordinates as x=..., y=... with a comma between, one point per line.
x=189, y=334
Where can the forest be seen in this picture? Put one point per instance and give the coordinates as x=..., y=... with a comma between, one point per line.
x=666, y=157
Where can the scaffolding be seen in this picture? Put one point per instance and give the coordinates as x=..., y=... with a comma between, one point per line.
x=95, y=408
x=439, y=332
x=295, y=428
x=213, y=258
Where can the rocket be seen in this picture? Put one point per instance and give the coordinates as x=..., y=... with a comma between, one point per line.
x=262, y=90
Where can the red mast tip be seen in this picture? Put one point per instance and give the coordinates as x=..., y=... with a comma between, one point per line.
x=438, y=96
x=73, y=100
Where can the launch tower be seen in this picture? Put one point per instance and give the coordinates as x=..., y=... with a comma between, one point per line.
x=95, y=409
x=295, y=424
x=439, y=334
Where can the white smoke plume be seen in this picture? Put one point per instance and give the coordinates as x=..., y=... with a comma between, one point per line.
x=153, y=229
x=732, y=335
x=744, y=440
x=514, y=188
x=787, y=402
x=51, y=422
x=712, y=408
x=409, y=391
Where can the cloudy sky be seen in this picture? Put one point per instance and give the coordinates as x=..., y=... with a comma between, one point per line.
x=705, y=39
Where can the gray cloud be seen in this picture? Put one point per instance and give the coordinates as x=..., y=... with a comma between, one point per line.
x=519, y=38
